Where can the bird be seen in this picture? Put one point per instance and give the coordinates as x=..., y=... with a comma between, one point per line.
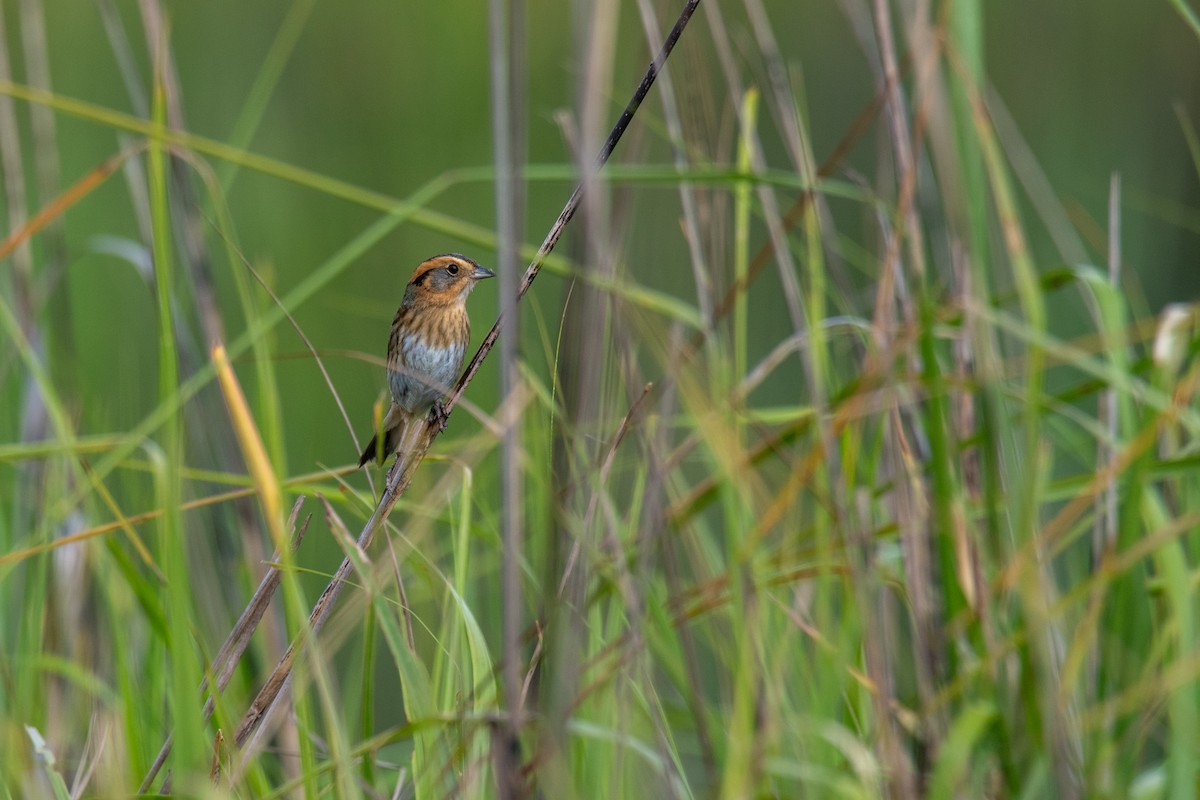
x=429, y=338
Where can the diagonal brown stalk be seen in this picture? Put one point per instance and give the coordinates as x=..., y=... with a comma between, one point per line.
x=230, y=653
x=400, y=474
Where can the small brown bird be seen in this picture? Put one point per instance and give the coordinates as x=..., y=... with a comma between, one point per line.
x=425, y=351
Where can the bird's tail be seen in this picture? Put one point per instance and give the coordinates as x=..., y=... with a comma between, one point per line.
x=394, y=427
x=368, y=453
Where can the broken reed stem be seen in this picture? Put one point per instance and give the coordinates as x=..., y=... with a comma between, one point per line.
x=227, y=658
x=400, y=474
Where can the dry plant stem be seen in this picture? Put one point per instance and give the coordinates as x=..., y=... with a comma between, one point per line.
x=1104, y=533
x=902, y=780
x=227, y=658
x=902, y=150
x=1106, y=517
x=267, y=700
x=505, y=23
x=400, y=474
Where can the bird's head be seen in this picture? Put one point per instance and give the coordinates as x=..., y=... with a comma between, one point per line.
x=445, y=279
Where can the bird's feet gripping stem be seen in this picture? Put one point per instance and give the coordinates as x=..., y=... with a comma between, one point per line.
x=440, y=415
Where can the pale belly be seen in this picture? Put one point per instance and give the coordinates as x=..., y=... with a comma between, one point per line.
x=430, y=373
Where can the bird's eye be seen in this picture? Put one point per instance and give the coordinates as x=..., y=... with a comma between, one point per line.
x=452, y=269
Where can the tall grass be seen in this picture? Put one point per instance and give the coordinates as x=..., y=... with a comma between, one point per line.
x=832, y=482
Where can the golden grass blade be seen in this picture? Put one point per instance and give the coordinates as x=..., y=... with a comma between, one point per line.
x=266, y=483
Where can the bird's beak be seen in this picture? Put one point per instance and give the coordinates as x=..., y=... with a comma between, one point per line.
x=481, y=273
